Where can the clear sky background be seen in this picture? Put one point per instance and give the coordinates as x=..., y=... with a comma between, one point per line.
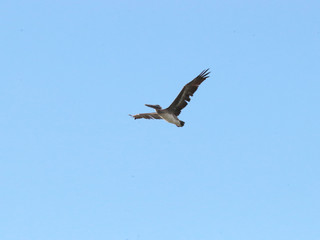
x=74, y=165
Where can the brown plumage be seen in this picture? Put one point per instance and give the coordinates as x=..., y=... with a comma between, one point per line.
x=146, y=116
x=171, y=113
x=188, y=90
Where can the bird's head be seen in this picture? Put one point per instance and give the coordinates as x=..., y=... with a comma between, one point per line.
x=157, y=107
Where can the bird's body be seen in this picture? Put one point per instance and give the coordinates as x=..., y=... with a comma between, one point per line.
x=169, y=117
x=171, y=113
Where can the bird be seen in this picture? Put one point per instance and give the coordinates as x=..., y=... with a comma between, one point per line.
x=171, y=113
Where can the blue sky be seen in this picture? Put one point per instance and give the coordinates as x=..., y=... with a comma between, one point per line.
x=74, y=165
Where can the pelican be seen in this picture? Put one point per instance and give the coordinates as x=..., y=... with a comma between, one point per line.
x=171, y=113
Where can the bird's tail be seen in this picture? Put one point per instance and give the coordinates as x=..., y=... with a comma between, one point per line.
x=182, y=123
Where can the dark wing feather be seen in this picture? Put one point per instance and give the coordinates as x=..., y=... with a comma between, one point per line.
x=188, y=90
x=146, y=116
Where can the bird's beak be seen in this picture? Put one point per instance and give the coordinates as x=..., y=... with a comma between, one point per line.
x=151, y=106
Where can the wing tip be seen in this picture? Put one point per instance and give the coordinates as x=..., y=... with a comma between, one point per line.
x=132, y=116
x=205, y=73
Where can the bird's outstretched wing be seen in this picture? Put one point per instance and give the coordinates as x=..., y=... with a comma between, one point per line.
x=146, y=116
x=188, y=90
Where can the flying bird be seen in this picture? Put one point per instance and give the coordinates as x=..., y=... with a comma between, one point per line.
x=171, y=113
